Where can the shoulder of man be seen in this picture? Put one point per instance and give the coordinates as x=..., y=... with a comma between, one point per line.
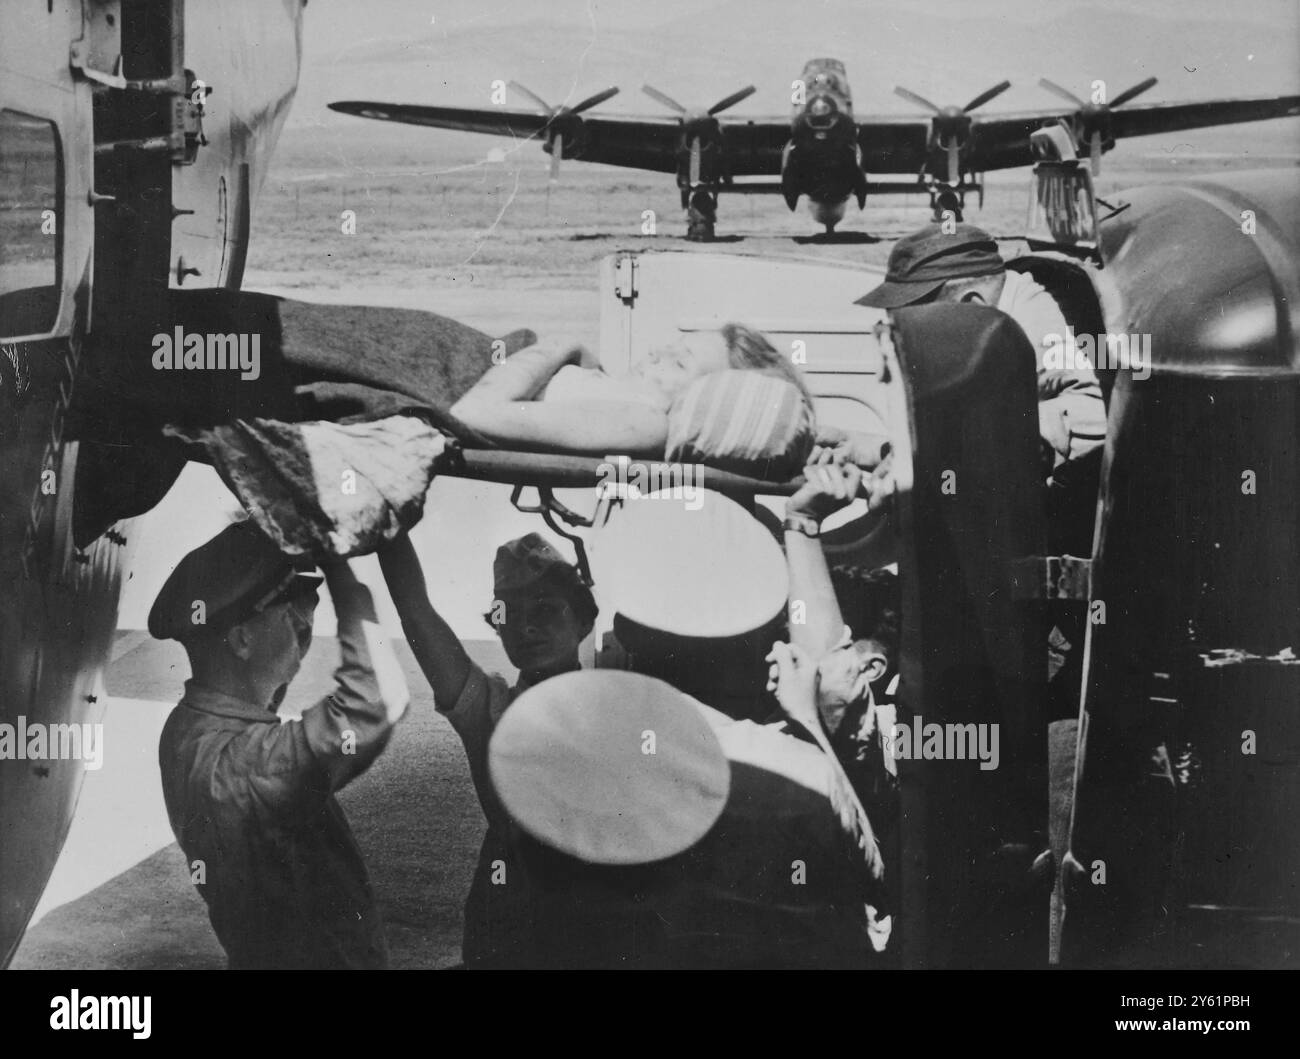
x=770, y=747
x=1034, y=308
x=483, y=699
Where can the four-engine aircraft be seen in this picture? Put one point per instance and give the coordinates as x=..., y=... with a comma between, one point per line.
x=822, y=151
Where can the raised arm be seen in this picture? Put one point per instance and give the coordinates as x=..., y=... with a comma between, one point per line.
x=437, y=649
x=463, y=693
x=502, y=407
x=349, y=728
x=827, y=487
x=281, y=766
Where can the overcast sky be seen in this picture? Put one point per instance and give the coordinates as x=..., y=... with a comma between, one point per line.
x=449, y=51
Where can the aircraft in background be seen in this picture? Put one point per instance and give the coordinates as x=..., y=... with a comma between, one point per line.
x=822, y=152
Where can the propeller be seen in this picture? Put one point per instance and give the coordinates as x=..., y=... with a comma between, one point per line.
x=697, y=124
x=1092, y=120
x=564, y=124
x=951, y=125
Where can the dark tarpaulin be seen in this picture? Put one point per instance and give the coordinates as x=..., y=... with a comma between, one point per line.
x=341, y=363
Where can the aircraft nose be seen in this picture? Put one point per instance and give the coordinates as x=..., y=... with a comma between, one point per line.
x=821, y=112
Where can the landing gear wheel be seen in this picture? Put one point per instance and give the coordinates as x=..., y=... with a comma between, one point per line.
x=699, y=229
x=701, y=216
x=947, y=201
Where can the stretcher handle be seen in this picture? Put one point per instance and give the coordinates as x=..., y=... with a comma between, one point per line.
x=580, y=472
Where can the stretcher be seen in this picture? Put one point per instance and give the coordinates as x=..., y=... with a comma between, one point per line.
x=803, y=306
x=547, y=472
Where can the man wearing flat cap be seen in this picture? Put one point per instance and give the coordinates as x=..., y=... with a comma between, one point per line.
x=542, y=610
x=963, y=265
x=251, y=796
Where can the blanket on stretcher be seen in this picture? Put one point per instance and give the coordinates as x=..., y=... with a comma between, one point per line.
x=325, y=420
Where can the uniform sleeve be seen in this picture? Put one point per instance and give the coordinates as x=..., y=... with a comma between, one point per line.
x=474, y=715
x=349, y=728
x=297, y=765
x=1071, y=409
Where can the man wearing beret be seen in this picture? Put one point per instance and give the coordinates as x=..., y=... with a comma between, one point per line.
x=964, y=266
x=542, y=611
x=251, y=796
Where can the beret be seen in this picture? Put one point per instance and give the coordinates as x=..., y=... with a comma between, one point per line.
x=231, y=575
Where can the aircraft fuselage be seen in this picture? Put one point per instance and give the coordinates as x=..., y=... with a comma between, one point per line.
x=823, y=160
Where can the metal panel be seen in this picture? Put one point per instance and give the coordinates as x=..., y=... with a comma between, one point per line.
x=975, y=875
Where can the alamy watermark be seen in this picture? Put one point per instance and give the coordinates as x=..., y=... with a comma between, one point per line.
x=77, y=1012
x=52, y=742
x=1108, y=352
x=944, y=742
x=192, y=351
x=635, y=480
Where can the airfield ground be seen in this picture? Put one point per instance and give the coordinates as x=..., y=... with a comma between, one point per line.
x=493, y=245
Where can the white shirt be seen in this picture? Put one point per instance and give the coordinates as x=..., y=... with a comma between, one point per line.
x=1071, y=408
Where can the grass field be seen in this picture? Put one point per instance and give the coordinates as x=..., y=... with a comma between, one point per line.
x=429, y=220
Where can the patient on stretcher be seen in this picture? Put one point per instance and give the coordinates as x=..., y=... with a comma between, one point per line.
x=541, y=399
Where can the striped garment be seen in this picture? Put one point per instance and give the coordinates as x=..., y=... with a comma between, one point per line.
x=747, y=422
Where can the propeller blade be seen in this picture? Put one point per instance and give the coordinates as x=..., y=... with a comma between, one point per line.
x=557, y=152
x=695, y=161
x=1094, y=152
x=954, y=161
x=660, y=97
x=984, y=97
x=1133, y=92
x=1064, y=93
x=594, y=101
x=912, y=97
x=541, y=103
x=732, y=99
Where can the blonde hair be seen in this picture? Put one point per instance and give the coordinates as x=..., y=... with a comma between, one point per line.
x=749, y=350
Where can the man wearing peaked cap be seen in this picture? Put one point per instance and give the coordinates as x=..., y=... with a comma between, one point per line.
x=658, y=832
x=234, y=575
x=542, y=611
x=699, y=588
x=251, y=798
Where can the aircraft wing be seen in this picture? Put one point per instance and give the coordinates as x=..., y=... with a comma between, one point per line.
x=639, y=143
x=1174, y=117
x=890, y=144
x=1001, y=141
x=893, y=144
